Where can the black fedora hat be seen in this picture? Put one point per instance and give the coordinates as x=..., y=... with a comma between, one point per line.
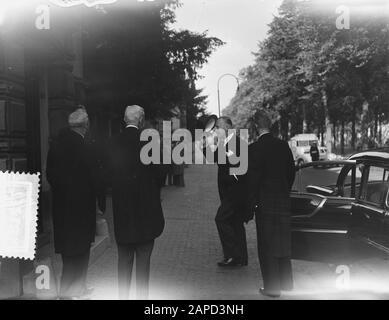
x=211, y=123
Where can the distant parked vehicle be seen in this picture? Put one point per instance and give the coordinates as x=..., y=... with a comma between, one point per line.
x=301, y=146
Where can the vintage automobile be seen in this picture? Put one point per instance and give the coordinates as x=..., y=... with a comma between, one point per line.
x=301, y=146
x=338, y=203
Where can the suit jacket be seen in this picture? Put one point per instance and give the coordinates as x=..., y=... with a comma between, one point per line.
x=230, y=188
x=137, y=209
x=271, y=175
x=73, y=176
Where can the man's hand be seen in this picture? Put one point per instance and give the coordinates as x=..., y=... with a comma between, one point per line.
x=212, y=139
x=251, y=213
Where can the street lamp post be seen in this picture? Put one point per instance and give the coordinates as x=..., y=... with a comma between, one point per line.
x=218, y=88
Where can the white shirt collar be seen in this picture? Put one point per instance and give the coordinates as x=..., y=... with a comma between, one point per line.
x=79, y=133
x=228, y=138
x=262, y=134
x=131, y=126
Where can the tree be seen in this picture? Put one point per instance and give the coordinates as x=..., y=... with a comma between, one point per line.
x=316, y=78
x=134, y=56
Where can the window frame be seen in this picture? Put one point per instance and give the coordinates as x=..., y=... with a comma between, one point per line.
x=364, y=183
x=340, y=183
x=343, y=163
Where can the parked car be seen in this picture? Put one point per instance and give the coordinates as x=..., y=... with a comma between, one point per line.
x=348, y=201
x=374, y=153
x=301, y=146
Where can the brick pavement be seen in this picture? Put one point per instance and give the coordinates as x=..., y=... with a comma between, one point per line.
x=185, y=256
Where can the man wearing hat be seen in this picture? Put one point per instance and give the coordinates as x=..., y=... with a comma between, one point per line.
x=72, y=174
x=230, y=215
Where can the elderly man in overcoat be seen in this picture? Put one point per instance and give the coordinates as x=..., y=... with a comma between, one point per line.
x=137, y=210
x=271, y=175
x=73, y=176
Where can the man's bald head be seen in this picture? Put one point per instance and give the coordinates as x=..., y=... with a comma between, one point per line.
x=134, y=115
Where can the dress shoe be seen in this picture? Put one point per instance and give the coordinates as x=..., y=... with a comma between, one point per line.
x=263, y=292
x=230, y=262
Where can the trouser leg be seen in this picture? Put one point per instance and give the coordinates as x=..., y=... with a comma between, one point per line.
x=67, y=276
x=225, y=228
x=143, y=257
x=286, y=274
x=241, y=242
x=84, y=269
x=125, y=263
x=268, y=263
x=270, y=273
x=74, y=274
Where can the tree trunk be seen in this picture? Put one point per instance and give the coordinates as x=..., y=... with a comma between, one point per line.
x=342, y=139
x=328, y=136
x=365, y=125
x=376, y=123
x=380, y=131
x=353, y=125
x=284, y=126
x=289, y=129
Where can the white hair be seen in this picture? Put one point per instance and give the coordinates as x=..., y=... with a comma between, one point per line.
x=78, y=118
x=134, y=115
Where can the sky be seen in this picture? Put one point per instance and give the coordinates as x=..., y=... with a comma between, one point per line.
x=239, y=23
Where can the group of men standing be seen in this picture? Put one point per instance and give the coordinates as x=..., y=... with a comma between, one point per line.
x=78, y=174
x=262, y=192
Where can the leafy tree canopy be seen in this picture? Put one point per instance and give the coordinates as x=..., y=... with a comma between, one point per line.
x=307, y=69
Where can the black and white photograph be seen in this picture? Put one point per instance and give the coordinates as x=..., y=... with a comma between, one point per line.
x=221, y=151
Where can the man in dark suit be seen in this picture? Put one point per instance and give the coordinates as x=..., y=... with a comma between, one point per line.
x=230, y=215
x=314, y=151
x=73, y=175
x=138, y=216
x=271, y=174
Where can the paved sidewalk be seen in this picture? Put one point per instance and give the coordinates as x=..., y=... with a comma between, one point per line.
x=185, y=256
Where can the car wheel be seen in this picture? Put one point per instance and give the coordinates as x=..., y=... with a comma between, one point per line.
x=300, y=162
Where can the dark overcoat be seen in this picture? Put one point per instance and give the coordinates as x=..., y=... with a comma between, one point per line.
x=231, y=188
x=73, y=176
x=137, y=209
x=271, y=175
x=314, y=151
